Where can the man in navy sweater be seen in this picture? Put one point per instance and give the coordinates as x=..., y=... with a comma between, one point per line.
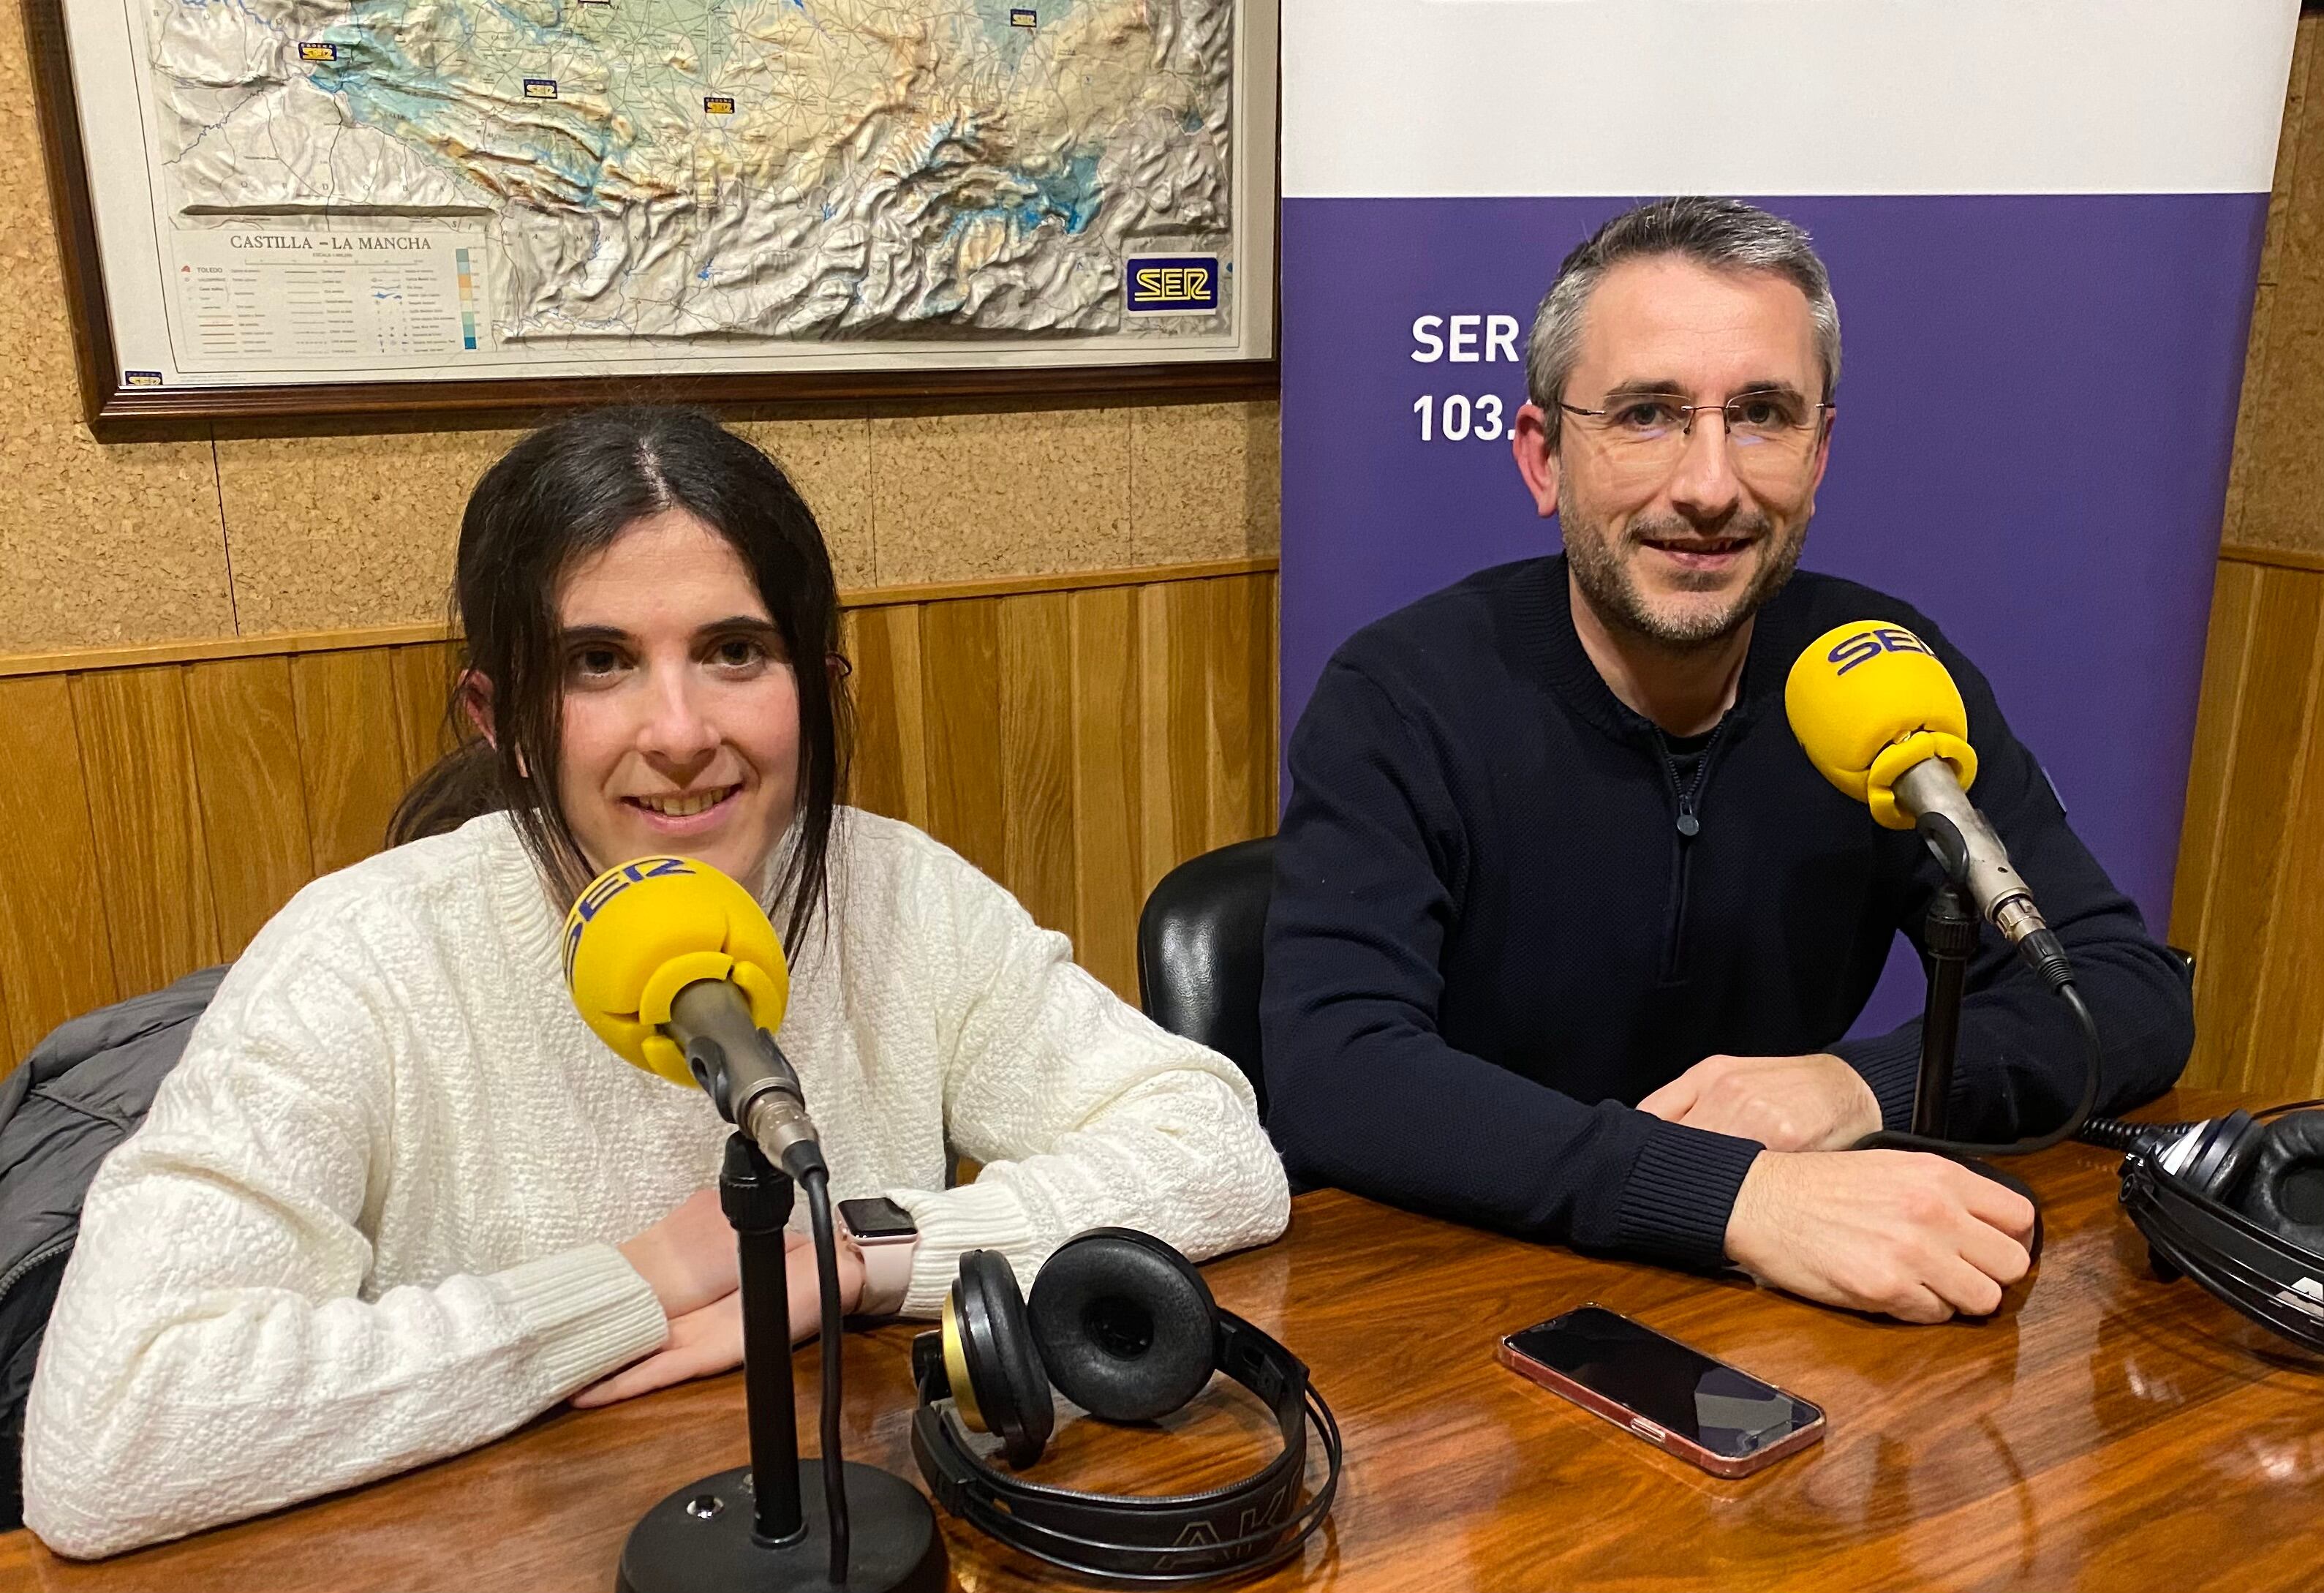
x=1566, y=929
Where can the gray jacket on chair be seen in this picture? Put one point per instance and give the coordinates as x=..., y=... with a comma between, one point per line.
x=82, y=1091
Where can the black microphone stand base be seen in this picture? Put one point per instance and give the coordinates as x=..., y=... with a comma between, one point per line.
x=699, y=1540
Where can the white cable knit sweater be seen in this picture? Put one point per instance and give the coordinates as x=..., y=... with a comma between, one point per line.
x=371, y=1220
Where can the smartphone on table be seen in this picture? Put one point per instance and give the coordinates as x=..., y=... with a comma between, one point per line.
x=1680, y=1400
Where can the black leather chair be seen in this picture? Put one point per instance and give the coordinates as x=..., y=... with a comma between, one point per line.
x=1200, y=951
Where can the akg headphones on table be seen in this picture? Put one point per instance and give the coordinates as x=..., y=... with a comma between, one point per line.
x=1123, y=1326
x=2235, y=1203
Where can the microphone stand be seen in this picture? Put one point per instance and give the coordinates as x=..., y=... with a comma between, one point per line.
x=1949, y=939
x=1949, y=936
x=763, y=1528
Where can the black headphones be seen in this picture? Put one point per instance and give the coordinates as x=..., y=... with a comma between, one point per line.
x=2235, y=1203
x=1124, y=1326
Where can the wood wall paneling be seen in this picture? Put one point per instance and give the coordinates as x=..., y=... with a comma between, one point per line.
x=1186, y=701
x=960, y=662
x=2249, y=898
x=351, y=742
x=1037, y=755
x=1243, y=709
x=421, y=676
x=1107, y=781
x=2226, y=653
x=152, y=849
x=1076, y=743
x=56, y=955
x=889, y=771
x=2287, y=1035
x=1158, y=842
x=253, y=790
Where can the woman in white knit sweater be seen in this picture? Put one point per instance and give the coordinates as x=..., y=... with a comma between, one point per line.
x=398, y=1198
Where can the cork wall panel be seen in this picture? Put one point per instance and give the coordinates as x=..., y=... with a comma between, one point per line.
x=360, y=529
x=98, y=543
x=349, y=530
x=962, y=496
x=1206, y=481
x=330, y=532
x=2275, y=489
x=829, y=460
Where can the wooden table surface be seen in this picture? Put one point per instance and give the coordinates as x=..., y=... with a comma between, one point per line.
x=2103, y=1430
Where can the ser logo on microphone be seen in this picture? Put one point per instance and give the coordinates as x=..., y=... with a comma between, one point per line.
x=1867, y=645
x=610, y=884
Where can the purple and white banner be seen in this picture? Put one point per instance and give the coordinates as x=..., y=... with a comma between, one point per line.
x=2043, y=225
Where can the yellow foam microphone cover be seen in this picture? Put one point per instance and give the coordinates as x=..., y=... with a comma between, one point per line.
x=644, y=930
x=1869, y=700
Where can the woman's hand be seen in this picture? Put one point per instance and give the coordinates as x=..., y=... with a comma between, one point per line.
x=701, y=1343
x=709, y=1340
x=688, y=1257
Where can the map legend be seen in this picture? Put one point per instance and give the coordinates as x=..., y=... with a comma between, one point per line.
x=323, y=299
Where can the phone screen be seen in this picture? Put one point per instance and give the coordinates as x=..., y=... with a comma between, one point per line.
x=1676, y=1388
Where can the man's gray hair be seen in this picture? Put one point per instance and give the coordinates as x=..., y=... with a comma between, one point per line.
x=1725, y=235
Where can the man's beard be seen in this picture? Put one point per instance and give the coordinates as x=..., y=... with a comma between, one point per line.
x=1605, y=578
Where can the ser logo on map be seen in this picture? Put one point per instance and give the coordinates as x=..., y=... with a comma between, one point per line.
x=1170, y=284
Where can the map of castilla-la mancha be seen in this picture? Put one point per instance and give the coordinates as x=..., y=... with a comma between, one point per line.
x=697, y=169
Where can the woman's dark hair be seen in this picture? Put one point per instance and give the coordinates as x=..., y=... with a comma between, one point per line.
x=562, y=494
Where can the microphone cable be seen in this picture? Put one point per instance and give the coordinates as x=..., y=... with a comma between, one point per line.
x=818, y=1184
x=2076, y=1122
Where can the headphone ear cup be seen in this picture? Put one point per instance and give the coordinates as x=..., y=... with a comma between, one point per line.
x=2223, y=1155
x=1010, y=1390
x=2286, y=1190
x=1127, y=1326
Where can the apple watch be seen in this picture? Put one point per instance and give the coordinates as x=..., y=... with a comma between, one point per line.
x=884, y=1234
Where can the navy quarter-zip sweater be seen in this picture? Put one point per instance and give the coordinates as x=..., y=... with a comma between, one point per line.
x=1499, y=920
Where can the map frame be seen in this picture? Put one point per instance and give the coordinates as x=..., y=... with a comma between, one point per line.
x=116, y=410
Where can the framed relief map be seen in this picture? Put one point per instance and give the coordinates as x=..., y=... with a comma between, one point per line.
x=348, y=206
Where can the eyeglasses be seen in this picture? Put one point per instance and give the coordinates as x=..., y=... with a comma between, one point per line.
x=1771, y=428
